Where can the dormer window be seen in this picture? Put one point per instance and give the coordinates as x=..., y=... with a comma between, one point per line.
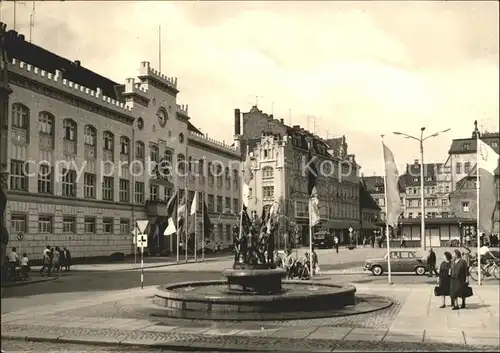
x=466, y=147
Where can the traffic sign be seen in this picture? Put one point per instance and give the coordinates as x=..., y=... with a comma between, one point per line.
x=142, y=241
x=141, y=225
x=350, y=229
x=20, y=236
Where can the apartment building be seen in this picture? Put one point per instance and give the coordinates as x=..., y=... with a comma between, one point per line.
x=376, y=188
x=279, y=154
x=83, y=154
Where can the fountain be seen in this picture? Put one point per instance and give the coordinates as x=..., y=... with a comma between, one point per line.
x=254, y=289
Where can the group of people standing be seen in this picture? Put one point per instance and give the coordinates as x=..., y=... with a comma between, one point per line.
x=453, y=278
x=55, y=260
x=299, y=268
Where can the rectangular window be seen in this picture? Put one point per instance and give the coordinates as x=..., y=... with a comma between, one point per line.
x=228, y=205
x=107, y=225
x=69, y=225
x=153, y=192
x=124, y=190
x=236, y=206
x=45, y=179
x=467, y=167
x=69, y=183
x=45, y=224
x=268, y=192
x=211, y=205
x=18, y=223
x=458, y=168
x=465, y=206
x=139, y=192
x=153, y=153
x=219, y=204
x=107, y=188
x=167, y=193
x=228, y=233
x=18, y=175
x=200, y=201
x=89, y=225
x=124, y=226
x=89, y=185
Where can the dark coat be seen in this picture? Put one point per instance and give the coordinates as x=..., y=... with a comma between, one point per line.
x=459, y=274
x=444, y=278
x=431, y=259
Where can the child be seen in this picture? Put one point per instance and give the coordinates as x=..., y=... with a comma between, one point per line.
x=24, y=266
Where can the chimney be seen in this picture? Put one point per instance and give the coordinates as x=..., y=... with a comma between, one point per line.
x=416, y=161
x=282, y=121
x=77, y=63
x=237, y=122
x=21, y=37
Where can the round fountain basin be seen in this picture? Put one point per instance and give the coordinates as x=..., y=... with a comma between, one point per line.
x=256, y=281
x=213, y=300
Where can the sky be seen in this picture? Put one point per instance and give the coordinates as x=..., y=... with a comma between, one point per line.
x=360, y=69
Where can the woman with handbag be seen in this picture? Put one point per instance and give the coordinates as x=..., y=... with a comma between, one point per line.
x=459, y=286
x=443, y=287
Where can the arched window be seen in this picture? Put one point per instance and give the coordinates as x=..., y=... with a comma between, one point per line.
x=153, y=152
x=20, y=116
x=181, y=165
x=46, y=123
x=267, y=172
x=89, y=135
x=124, y=145
x=108, y=139
x=69, y=127
x=139, y=150
x=168, y=156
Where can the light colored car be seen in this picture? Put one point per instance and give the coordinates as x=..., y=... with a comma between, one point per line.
x=402, y=261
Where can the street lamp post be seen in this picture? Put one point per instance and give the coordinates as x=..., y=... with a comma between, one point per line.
x=422, y=196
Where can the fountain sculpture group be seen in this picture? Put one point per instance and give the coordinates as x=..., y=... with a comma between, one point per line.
x=254, y=288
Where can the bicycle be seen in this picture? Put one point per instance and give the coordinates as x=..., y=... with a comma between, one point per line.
x=488, y=270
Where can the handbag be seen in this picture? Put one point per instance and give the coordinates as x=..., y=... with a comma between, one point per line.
x=467, y=292
x=437, y=291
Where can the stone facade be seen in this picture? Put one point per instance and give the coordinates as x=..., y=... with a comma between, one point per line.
x=279, y=153
x=93, y=142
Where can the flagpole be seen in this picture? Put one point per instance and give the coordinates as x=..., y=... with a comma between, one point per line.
x=310, y=239
x=389, y=272
x=203, y=218
x=177, y=235
x=478, y=236
x=195, y=199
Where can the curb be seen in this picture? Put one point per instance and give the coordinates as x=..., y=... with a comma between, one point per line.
x=185, y=346
x=25, y=283
x=211, y=259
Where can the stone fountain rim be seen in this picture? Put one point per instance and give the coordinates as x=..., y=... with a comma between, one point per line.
x=167, y=292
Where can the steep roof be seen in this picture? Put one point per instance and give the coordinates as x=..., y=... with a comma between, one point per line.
x=469, y=145
x=366, y=200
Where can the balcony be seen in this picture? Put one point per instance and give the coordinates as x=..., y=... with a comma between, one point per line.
x=69, y=147
x=107, y=155
x=19, y=135
x=45, y=141
x=90, y=152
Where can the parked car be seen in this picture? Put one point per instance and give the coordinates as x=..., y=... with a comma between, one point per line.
x=403, y=261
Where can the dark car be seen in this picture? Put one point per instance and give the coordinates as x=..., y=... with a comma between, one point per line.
x=323, y=240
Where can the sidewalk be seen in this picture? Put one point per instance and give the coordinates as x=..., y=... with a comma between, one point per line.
x=137, y=266
x=34, y=278
x=418, y=323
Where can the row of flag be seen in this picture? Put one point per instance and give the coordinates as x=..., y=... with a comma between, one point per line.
x=176, y=214
x=487, y=163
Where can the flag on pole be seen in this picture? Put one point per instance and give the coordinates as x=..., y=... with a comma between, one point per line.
x=247, y=178
x=488, y=193
x=170, y=228
x=312, y=177
x=194, y=204
x=393, y=206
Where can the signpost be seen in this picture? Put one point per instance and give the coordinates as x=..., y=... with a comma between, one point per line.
x=135, y=232
x=141, y=241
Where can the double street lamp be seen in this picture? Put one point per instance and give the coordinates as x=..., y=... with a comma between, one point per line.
x=422, y=199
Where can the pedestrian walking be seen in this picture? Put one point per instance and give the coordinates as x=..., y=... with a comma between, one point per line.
x=56, y=261
x=13, y=262
x=443, y=287
x=315, y=261
x=47, y=262
x=25, y=267
x=431, y=263
x=403, y=242
x=67, y=259
x=459, y=280
x=336, y=243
